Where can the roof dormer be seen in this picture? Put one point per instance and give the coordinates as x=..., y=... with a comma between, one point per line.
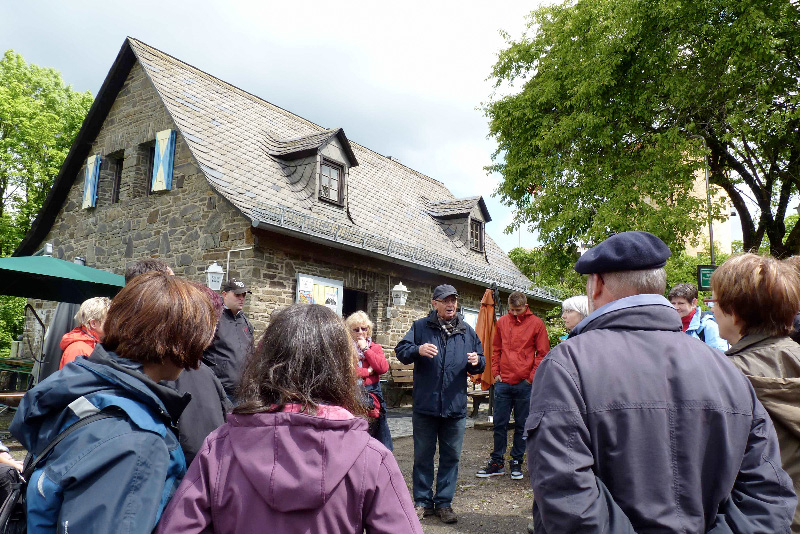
x=323, y=160
x=462, y=220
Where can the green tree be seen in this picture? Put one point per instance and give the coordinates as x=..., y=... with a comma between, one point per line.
x=616, y=104
x=39, y=118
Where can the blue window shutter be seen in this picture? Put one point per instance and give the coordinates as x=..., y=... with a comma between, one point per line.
x=90, y=181
x=164, y=159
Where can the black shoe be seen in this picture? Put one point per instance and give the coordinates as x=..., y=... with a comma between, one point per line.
x=447, y=515
x=516, y=470
x=424, y=511
x=491, y=470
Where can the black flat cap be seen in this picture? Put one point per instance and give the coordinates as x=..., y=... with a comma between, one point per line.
x=443, y=291
x=626, y=251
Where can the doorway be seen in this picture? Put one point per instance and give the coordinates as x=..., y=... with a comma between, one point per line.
x=354, y=300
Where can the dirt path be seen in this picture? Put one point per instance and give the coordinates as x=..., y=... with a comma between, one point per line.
x=484, y=506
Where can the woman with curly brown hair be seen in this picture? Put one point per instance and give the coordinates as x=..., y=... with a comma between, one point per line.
x=757, y=298
x=293, y=456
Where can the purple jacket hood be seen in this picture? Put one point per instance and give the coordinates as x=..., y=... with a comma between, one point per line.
x=308, y=458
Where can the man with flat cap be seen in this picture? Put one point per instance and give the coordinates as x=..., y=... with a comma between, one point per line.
x=233, y=340
x=636, y=427
x=444, y=350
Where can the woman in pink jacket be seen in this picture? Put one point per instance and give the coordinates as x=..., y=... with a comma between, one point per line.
x=371, y=364
x=292, y=456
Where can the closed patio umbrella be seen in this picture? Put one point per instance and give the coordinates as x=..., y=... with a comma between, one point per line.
x=485, y=328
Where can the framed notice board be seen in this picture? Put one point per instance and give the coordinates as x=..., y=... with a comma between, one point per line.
x=704, y=273
x=316, y=290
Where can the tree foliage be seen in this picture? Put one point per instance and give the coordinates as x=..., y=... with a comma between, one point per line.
x=616, y=104
x=39, y=118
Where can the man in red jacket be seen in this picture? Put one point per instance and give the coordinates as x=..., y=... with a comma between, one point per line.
x=520, y=343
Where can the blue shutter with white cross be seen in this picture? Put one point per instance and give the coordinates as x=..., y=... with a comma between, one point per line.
x=90, y=181
x=164, y=158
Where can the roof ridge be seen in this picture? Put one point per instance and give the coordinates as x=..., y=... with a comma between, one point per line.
x=223, y=82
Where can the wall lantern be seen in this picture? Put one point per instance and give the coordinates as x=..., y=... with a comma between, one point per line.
x=399, y=294
x=214, y=275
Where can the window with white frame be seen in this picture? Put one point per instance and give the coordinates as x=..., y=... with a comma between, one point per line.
x=331, y=181
x=476, y=235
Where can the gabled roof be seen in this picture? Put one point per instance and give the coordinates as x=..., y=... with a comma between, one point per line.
x=240, y=143
x=454, y=209
x=308, y=145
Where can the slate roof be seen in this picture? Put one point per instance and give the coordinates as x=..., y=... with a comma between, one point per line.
x=307, y=145
x=451, y=209
x=244, y=145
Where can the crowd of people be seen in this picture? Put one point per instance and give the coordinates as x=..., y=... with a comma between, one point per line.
x=651, y=415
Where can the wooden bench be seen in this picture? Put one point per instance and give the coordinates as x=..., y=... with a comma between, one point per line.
x=478, y=396
x=401, y=380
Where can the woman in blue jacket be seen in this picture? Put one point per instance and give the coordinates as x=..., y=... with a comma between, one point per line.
x=117, y=474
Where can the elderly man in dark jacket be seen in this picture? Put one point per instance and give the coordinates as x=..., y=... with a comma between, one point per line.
x=637, y=427
x=443, y=349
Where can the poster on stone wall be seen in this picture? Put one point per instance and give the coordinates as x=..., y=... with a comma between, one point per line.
x=317, y=290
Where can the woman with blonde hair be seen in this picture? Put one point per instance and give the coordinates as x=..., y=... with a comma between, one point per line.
x=81, y=340
x=370, y=365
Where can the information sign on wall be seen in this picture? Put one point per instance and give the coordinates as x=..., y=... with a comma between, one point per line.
x=316, y=290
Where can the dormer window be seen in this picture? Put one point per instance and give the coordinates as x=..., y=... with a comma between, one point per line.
x=331, y=181
x=476, y=235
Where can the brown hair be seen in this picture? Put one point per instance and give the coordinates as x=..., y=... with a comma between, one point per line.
x=762, y=291
x=683, y=291
x=305, y=357
x=158, y=317
x=517, y=298
x=146, y=265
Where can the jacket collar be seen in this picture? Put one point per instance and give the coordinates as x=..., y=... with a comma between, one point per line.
x=522, y=316
x=433, y=321
x=629, y=305
x=745, y=342
x=173, y=402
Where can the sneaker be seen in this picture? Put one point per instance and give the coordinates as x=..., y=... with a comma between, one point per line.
x=491, y=470
x=447, y=515
x=516, y=470
x=424, y=511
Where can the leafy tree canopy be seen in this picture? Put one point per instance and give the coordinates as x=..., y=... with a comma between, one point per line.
x=39, y=118
x=616, y=104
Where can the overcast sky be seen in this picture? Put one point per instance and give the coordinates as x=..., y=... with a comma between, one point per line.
x=403, y=79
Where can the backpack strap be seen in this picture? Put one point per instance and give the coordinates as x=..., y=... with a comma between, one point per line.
x=701, y=330
x=80, y=423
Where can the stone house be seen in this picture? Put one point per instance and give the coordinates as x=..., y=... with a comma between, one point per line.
x=174, y=163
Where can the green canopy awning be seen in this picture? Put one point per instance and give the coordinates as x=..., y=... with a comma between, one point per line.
x=48, y=278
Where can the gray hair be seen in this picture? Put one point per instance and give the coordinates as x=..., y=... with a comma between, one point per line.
x=626, y=283
x=94, y=309
x=579, y=304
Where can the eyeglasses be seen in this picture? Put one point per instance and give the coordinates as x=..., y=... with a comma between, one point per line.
x=710, y=301
x=361, y=329
x=448, y=300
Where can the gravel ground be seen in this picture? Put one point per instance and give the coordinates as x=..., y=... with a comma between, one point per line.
x=484, y=506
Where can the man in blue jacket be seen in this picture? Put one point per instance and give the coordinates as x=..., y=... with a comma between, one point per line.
x=636, y=427
x=444, y=350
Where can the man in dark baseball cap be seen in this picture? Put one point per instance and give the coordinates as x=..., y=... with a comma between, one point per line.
x=641, y=428
x=233, y=340
x=444, y=350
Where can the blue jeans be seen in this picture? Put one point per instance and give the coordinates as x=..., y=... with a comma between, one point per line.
x=449, y=432
x=506, y=398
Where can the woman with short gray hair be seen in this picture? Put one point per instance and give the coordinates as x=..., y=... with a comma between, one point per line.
x=574, y=310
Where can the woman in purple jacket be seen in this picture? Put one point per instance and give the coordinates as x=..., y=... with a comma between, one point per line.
x=292, y=456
